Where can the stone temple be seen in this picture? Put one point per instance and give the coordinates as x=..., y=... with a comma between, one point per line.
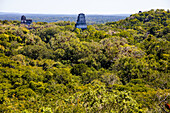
x=81, y=22
x=25, y=21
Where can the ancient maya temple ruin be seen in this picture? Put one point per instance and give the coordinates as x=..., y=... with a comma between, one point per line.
x=25, y=21
x=81, y=22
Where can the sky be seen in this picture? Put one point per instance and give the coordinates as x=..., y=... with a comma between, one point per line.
x=82, y=6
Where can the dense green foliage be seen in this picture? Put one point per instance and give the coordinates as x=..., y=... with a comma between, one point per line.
x=115, y=67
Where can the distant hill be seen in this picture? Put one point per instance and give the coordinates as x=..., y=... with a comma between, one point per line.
x=155, y=22
x=91, y=19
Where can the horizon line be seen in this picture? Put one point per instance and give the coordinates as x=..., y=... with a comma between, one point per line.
x=66, y=13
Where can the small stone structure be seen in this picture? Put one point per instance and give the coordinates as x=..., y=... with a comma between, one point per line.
x=25, y=21
x=140, y=11
x=81, y=22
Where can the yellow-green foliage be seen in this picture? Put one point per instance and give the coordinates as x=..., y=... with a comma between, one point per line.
x=117, y=67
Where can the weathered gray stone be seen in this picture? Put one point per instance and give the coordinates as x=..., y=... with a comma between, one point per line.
x=81, y=22
x=25, y=21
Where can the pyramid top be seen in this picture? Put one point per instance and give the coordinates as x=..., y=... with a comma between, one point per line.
x=81, y=21
x=23, y=17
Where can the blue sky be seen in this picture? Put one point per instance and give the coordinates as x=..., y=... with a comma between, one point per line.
x=78, y=6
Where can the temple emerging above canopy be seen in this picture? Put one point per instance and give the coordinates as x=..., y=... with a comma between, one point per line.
x=81, y=22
